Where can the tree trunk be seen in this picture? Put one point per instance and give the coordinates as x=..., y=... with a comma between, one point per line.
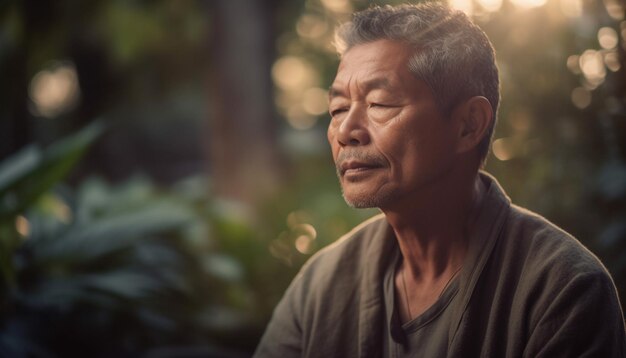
x=244, y=157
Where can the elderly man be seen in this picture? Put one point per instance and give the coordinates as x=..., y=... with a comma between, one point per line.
x=450, y=267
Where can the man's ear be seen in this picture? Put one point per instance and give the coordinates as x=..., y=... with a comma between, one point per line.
x=474, y=116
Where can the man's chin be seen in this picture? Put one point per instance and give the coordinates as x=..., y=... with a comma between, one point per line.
x=362, y=201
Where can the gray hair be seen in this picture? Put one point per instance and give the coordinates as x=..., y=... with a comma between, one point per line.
x=452, y=55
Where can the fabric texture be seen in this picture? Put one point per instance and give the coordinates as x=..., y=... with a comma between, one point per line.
x=426, y=333
x=527, y=289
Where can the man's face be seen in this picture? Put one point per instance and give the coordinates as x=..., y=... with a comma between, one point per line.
x=387, y=135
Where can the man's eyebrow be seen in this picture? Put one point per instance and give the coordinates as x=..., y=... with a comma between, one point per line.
x=368, y=85
x=334, y=92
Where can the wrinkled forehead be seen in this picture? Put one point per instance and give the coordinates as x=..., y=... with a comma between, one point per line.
x=380, y=67
x=381, y=56
x=379, y=64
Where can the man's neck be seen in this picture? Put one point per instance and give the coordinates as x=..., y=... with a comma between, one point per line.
x=432, y=230
x=432, y=234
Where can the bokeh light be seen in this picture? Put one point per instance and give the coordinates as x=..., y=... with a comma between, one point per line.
x=614, y=9
x=311, y=26
x=55, y=90
x=339, y=6
x=315, y=101
x=464, y=5
x=22, y=226
x=572, y=8
x=611, y=60
x=581, y=97
x=592, y=65
x=305, y=238
x=297, y=217
x=503, y=148
x=293, y=73
x=527, y=4
x=607, y=37
x=573, y=64
x=299, y=98
x=490, y=5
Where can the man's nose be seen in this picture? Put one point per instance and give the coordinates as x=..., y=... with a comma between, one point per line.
x=353, y=129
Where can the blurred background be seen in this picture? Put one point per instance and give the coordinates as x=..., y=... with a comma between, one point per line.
x=164, y=169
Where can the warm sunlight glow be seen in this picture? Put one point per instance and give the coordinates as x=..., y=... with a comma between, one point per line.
x=337, y=5
x=527, y=4
x=303, y=244
x=293, y=73
x=503, y=148
x=55, y=90
x=297, y=217
x=22, y=226
x=490, y=5
x=305, y=240
x=311, y=26
x=299, y=98
x=464, y=5
x=592, y=66
x=572, y=8
x=607, y=37
x=614, y=9
x=315, y=101
x=611, y=60
x=573, y=64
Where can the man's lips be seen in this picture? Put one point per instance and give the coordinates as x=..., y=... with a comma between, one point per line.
x=356, y=166
x=354, y=162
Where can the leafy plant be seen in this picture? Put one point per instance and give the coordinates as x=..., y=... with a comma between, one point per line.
x=108, y=270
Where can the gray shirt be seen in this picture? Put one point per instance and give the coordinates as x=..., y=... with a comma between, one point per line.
x=427, y=332
x=528, y=289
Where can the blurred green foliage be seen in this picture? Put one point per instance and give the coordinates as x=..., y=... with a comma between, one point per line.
x=112, y=270
x=133, y=268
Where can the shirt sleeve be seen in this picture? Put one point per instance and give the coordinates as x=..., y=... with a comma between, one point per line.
x=283, y=335
x=583, y=319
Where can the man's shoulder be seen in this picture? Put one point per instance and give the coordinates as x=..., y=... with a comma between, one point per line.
x=350, y=249
x=342, y=264
x=320, y=310
x=563, y=292
x=546, y=248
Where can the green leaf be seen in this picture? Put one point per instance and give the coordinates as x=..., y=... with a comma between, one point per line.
x=24, y=177
x=223, y=267
x=19, y=165
x=90, y=240
x=127, y=284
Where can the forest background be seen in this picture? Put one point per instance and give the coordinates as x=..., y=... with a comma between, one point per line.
x=164, y=170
